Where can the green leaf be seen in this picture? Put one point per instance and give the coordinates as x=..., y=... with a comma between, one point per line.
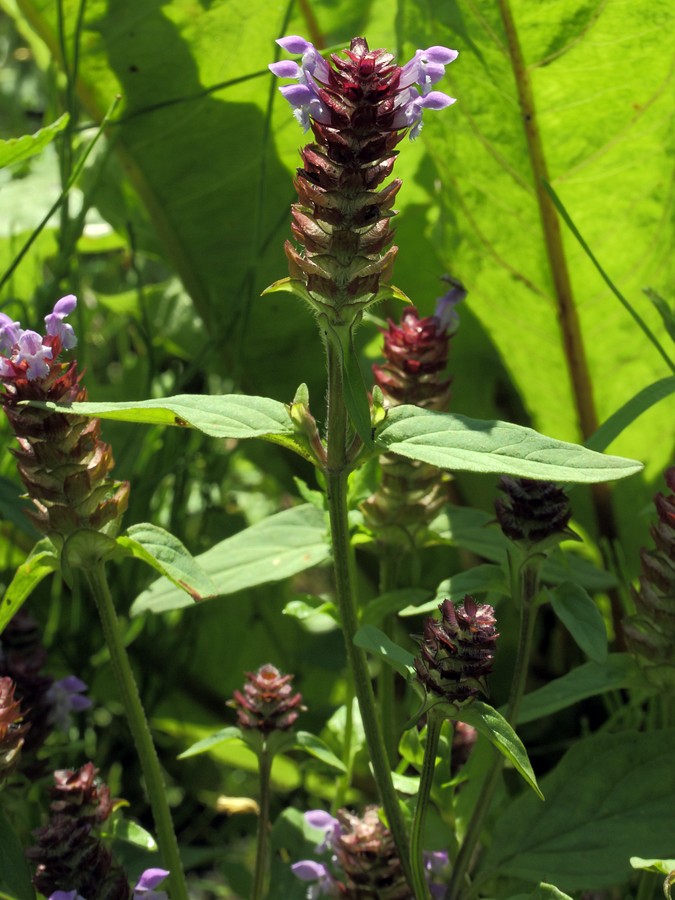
x=276, y=548
x=629, y=412
x=662, y=866
x=501, y=735
x=611, y=794
x=398, y=601
x=462, y=444
x=165, y=553
x=316, y=748
x=375, y=641
x=477, y=580
x=16, y=150
x=543, y=892
x=355, y=393
x=14, y=874
x=227, y=416
x=582, y=618
x=131, y=833
x=39, y=563
x=231, y=733
x=617, y=672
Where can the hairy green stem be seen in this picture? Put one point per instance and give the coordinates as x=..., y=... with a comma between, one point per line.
x=345, y=781
x=525, y=584
x=386, y=676
x=336, y=483
x=434, y=725
x=262, y=853
x=140, y=730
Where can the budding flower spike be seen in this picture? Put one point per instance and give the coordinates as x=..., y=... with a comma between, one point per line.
x=358, y=110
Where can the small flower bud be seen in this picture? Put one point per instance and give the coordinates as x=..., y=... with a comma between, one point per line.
x=267, y=702
x=456, y=653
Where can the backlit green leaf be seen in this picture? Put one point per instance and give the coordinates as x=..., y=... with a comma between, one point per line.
x=16, y=150
x=39, y=563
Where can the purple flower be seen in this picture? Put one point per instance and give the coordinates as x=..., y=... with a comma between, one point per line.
x=30, y=353
x=323, y=821
x=55, y=324
x=310, y=870
x=146, y=884
x=65, y=895
x=411, y=106
x=427, y=67
x=445, y=306
x=66, y=698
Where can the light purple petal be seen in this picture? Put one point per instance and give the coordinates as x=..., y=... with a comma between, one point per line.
x=72, y=684
x=309, y=870
x=146, y=884
x=295, y=44
x=31, y=351
x=436, y=100
x=438, y=54
x=297, y=94
x=320, y=819
x=435, y=861
x=78, y=703
x=65, y=895
x=10, y=332
x=285, y=68
x=445, y=310
x=65, y=305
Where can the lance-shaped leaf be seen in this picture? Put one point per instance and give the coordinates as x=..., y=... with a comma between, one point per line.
x=276, y=548
x=501, y=735
x=38, y=564
x=226, y=416
x=473, y=445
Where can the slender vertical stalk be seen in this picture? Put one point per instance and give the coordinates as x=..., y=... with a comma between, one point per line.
x=526, y=583
x=347, y=754
x=140, y=730
x=336, y=482
x=434, y=725
x=386, y=676
x=262, y=853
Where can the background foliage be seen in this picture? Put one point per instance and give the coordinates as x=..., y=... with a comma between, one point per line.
x=186, y=199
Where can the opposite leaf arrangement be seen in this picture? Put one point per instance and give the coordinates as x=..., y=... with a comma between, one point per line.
x=401, y=442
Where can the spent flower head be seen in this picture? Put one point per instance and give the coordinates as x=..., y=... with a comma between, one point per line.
x=267, y=702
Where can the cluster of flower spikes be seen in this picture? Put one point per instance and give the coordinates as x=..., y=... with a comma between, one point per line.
x=364, y=863
x=532, y=510
x=457, y=652
x=359, y=109
x=267, y=702
x=410, y=492
x=62, y=460
x=13, y=728
x=68, y=853
x=650, y=633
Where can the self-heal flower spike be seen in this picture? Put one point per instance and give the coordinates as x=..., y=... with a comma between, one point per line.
x=358, y=109
x=267, y=702
x=62, y=461
x=650, y=633
x=457, y=652
x=532, y=510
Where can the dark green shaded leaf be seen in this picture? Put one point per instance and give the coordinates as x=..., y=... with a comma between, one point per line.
x=375, y=641
x=611, y=795
x=276, y=548
x=462, y=444
x=618, y=671
x=399, y=601
x=582, y=618
x=39, y=563
x=501, y=735
x=14, y=874
x=165, y=553
x=477, y=580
